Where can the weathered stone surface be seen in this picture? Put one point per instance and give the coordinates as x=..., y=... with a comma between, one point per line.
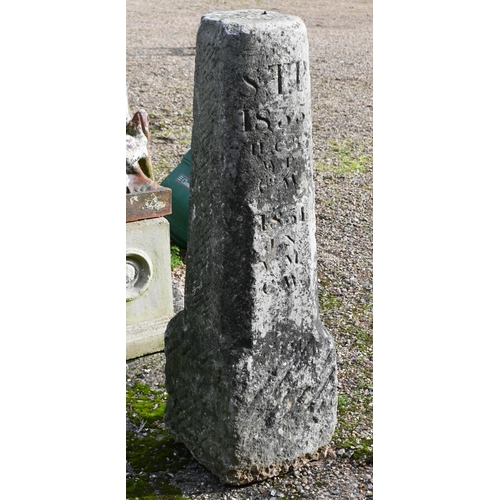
x=148, y=285
x=250, y=369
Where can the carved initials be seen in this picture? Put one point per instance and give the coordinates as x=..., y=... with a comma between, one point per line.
x=285, y=77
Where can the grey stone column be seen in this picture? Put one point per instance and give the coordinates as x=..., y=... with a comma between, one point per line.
x=250, y=369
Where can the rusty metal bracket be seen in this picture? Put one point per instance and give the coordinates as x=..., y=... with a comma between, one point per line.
x=149, y=205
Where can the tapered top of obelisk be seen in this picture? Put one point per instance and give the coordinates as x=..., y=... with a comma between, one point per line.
x=237, y=21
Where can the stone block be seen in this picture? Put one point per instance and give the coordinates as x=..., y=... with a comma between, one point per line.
x=149, y=285
x=250, y=368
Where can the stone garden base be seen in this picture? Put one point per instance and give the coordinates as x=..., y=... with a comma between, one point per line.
x=149, y=285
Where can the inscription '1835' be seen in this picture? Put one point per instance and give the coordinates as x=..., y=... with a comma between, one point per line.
x=266, y=119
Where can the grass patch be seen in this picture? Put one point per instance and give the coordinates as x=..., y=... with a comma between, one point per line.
x=353, y=432
x=152, y=454
x=328, y=301
x=175, y=257
x=344, y=158
x=354, y=419
x=351, y=323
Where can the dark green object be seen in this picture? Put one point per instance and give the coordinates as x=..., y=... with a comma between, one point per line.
x=178, y=181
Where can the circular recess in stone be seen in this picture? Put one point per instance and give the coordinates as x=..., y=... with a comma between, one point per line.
x=139, y=272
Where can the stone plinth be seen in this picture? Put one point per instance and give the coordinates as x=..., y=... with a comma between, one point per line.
x=149, y=285
x=250, y=369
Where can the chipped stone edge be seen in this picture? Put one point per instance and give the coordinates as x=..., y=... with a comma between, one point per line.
x=255, y=473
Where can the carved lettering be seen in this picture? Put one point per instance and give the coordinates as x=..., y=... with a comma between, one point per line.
x=266, y=119
x=250, y=87
x=289, y=77
x=283, y=216
x=280, y=79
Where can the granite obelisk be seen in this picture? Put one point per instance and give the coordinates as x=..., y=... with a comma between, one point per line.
x=250, y=369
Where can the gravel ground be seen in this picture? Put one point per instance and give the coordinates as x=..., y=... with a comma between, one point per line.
x=160, y=71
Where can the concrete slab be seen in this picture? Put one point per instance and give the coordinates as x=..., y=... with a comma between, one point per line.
x=148, y=285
